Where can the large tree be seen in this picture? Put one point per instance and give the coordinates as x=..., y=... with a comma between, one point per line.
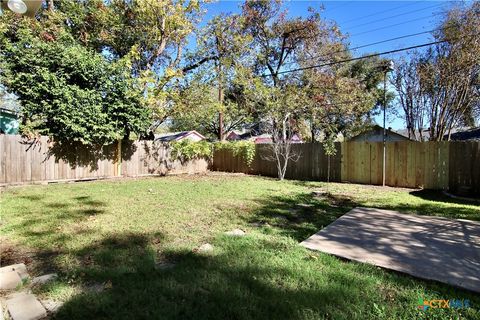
x=67, y=91
x=150, y=34
x=439, y=88
x=280, y=43
x=219, y=53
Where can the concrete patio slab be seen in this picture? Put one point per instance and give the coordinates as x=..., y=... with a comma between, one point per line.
x=433, y=248
x=25, y=307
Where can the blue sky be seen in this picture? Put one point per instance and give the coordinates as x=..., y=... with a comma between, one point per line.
x=367, y=22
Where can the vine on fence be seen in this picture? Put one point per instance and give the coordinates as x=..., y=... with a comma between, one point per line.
x=243, y=149
x=186, y=150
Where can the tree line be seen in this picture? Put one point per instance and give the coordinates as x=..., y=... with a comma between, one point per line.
x=95, y=71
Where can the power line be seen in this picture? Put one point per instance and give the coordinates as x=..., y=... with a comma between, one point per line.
x=383, y=41
x=395, y=16
x=377, y=42
x=358, y=58
x=389, y=26
x=380, y=12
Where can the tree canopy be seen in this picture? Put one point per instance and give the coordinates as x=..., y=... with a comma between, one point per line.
x=95, y=71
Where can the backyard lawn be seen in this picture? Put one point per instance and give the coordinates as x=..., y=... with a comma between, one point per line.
x=126, y=249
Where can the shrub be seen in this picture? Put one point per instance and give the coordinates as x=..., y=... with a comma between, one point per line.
x=186, y=150
x=243, y=149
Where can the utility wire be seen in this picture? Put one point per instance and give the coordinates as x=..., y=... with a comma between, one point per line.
x=358, y=58
x=395, y=16
x=381, y=12
x=390, y=26
x=377, y=42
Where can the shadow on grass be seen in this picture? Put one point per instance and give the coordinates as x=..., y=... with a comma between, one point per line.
x=47, y=226
x=438, y=196
x=304, y=214
x=299, y=216
x=244, y=278
x=437, y=204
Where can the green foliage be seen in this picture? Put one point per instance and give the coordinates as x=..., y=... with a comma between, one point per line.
x=67, y=91
x=186, y=150
x=243, y=149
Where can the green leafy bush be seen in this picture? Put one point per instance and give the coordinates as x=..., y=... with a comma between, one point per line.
x=243, y=149
x=68, y=91
x=186, y=150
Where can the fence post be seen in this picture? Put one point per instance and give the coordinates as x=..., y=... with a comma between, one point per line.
x=118, y=164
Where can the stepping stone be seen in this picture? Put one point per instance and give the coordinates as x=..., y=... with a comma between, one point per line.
x=25, y=307
x=44, y=279
x=20, y=268
x=235, y=233
x=205, y=248
x=52, y=306
x=319, y=193
x=9, y=280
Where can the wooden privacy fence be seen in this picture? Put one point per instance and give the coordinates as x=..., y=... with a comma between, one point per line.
x=451, y=166
x=42, y=161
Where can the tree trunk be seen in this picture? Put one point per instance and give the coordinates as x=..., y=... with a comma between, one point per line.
x=220, y=101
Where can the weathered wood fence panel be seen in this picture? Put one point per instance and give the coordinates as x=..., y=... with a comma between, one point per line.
x=27, y=162
x=311, y=165
x=464, y=171
x=408, y=163
x=432, y=165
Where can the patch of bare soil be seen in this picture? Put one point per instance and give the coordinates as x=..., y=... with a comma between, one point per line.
x=13, y=253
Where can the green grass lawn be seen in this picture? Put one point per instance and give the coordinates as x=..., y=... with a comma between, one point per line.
x=112, y=234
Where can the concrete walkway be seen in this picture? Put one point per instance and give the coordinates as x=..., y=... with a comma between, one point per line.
x=440, y=249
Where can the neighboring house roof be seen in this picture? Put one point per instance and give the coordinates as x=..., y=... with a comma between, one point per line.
x=296, y=138
x=375, y=134
x=458, y=134
x=425, y=134
x=262, y=138
x=465, y=135
x=177, y=136
x=232, y=135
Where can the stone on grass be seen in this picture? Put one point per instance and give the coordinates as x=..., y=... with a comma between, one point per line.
x=44, y=279
x=25, y=307
x=205, y=248
x=52, y=306
x=235, y=233
x=319, y=193
x=20, y=268
x=9, y=280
